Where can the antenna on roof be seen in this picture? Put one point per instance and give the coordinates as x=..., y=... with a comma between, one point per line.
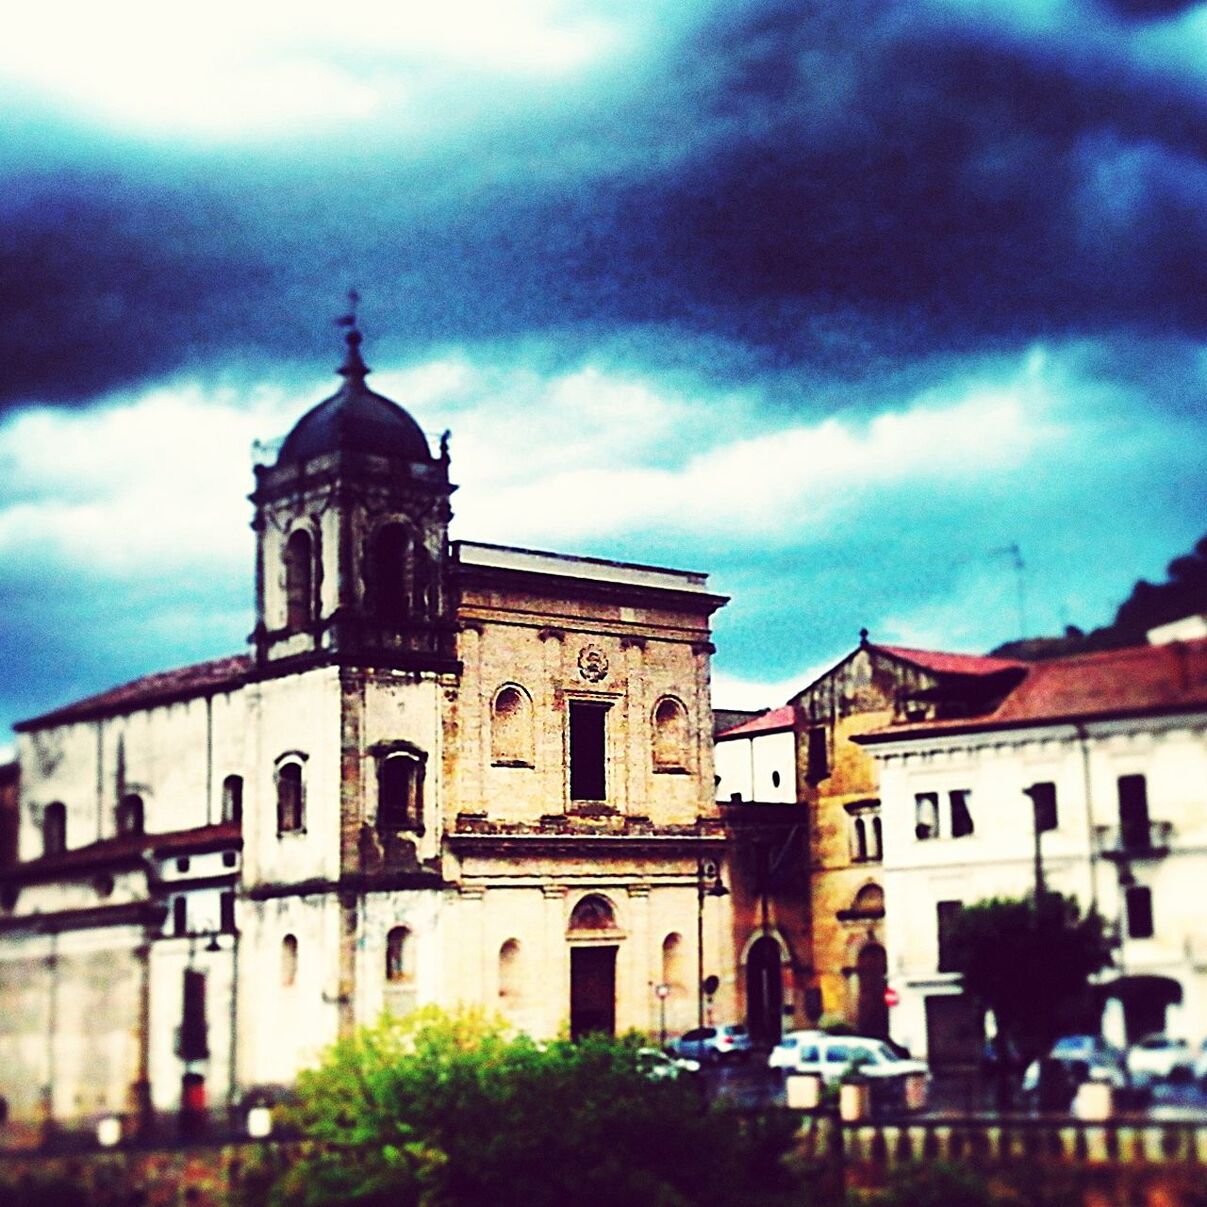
x=1015, y=554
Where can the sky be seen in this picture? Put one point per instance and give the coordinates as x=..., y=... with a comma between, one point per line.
x=841, y=303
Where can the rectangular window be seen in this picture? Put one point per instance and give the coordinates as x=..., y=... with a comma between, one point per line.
x=1133, y=812
x=180, y=916
x=818, y=765
x=961, y=818
x=948, y=915
x=194, y=1038
x=1043, y=800
x=926, y=815
x=588, y=751
x=226, y=911
x=1139, y=912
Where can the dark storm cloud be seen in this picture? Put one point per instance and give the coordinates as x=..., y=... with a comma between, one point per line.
x=839, y=189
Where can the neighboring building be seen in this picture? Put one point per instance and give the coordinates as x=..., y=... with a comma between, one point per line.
x=838, y=781
x=792, y=780
x=1100, y=760
x=10, y=811
x=448, y=773
x=769, y=851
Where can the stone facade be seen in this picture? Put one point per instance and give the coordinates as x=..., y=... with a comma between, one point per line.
x=448, y=773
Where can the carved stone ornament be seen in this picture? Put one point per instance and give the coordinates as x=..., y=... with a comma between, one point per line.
x=592, y=663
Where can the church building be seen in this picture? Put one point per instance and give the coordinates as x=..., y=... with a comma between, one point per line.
x=446, y=772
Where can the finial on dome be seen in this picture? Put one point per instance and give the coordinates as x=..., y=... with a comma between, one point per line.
x=354, y=367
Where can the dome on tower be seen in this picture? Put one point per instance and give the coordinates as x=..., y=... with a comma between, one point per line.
x=355, y=420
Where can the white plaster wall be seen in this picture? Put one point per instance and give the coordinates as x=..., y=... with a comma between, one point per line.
x=283, y=1028
x=175, y=756
x=998, y=858
x=295, y=713
x=750, y=766
x=169, y=960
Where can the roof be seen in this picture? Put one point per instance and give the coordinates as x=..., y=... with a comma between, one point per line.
x=125, y=850
x=951, y=664
x=187, y=681
x=564, y=565
x=356, y=420
x=774, y=720
x=1134, y=681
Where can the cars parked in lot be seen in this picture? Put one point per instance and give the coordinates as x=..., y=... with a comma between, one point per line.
x=1071, y=1060
x=712, y=1045
x=1160, y=1058
x=659, y=1066
x=831, y=1056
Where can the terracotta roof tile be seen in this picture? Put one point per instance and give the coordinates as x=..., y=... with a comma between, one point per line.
x=772, y=721
x=160, y=687
x=1137, y=680
x=951, y=664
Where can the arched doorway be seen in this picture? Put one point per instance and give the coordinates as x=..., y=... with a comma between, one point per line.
x=1146, y=1002
x=871, y=968
x=764, y=992
x=593, y=966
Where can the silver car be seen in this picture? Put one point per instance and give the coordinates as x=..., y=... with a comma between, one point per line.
x=712, y=1045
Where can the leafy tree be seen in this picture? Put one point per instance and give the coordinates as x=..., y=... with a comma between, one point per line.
x=440, y=1111
x=1030, y=962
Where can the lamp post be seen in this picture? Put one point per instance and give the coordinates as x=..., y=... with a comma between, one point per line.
x=708, y=884
x=663, y=991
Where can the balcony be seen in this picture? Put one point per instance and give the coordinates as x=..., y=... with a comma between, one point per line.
x=1137, y=840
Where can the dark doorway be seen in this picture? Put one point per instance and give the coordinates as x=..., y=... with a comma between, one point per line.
x=764, y=992
x=592, y=990
x=871, y=968
x=955, y=1031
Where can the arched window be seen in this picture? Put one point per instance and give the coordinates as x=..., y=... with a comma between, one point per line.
x=861, y=839
x=299, y=581
x=510, y=979
x=670, y=735
x=593, y=912
x=388, y=573
x=54, y=828
x=289, y=960
x=400, y=778
x=398, y=954
x=232, y=798
x=511, y=743
x=291, y=812
x=877, y=839
x=672, y=961
x=130, y=817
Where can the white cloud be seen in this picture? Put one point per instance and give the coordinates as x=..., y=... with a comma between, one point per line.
x=230, y=68
x=152, y=482
x=160, y=479
x=588, y=471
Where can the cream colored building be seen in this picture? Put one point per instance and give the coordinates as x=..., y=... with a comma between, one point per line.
x=448, y=773
x=1105, y=755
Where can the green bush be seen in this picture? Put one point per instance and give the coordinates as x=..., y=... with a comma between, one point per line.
x=42, y=1190
x=440, y=1111
x=934, y=1184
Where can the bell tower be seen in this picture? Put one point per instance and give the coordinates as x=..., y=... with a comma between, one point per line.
x=351, y=528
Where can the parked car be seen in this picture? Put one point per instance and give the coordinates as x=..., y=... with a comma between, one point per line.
x=659, y=1066
x=831, y=1056
x=1076, y=1058
x=712, y=1045
x=1160, y=1058
x=1200, y=1067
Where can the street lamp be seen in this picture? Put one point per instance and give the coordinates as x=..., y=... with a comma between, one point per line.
x=663, y=991
x=708, y=884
